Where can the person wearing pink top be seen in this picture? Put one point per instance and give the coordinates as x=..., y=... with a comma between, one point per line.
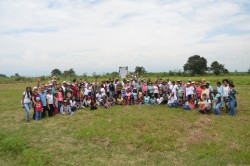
x=198, y=91
x=60, y=97
x=144, y=88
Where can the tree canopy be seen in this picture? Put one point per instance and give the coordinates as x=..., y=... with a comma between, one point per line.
x=140, y=70
x=196, y=65
x=217, y=68
x=70, y=73
x=56, y=72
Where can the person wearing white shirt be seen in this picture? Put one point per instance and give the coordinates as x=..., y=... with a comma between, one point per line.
x=156, y=90
x=172, y=100
x=99, y=97
x=189, y=91
x=225, y=91
x=50, y=102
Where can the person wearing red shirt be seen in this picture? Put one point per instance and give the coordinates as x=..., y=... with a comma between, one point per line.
x=38, y=108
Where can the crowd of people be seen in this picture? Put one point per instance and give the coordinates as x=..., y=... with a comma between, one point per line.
x=68, y=97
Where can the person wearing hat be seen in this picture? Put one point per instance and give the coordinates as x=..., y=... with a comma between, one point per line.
x=232, y=99
x=38, y=109
x=218, y=102
x=65, y=108
x=205, y=90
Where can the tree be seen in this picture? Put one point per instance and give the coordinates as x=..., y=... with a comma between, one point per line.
x=16, y=75
x=56, y=72
x=3, y=76
x=249, y=71
x=217, y=68
x=140, y=70
x=196, y=65
x=70, y=73
x=85, y=75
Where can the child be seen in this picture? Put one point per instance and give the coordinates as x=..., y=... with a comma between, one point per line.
x=60, y=97
x=180, y=102
x=38, y=108
x=105, y=103
x=119, y=100
x=128, y=97
x=93, y=105
x=153, y=100
x=135, y=96
x=73, y=105
x=111, y=100
x=186, y=105
x=146, y=99
x=88, y=101
x=159, y=99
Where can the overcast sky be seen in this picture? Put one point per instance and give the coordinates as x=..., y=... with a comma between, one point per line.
x=37, y=36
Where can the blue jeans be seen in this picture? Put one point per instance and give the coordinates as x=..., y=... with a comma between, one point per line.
x=172, y=104
x=38, y=115
x=27, y=107
x=232, y=104
x=186, y=107
x=217, y=107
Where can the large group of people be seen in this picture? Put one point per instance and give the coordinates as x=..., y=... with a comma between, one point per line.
x=68, y=97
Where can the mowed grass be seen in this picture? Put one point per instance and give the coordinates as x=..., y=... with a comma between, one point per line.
x=134, y=135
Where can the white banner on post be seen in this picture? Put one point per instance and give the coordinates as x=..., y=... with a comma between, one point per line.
x=123, y=72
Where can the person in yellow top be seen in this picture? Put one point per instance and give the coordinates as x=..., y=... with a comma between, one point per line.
x=119, y=100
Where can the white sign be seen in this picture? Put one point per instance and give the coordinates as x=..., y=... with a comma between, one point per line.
x=123, y=71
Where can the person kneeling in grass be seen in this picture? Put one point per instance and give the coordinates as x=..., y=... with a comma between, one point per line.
x=153, y=100
x=66, y=109
x=172, y=100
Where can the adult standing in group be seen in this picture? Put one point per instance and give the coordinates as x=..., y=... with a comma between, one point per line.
x=232, y=99
x=50, y=102
x=34, y=96
x=26, y=102
x=225, y=92
x=42, y=96
x=189, y=91
x=205, y=90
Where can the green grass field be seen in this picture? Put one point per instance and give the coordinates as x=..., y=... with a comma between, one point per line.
x=135, y=135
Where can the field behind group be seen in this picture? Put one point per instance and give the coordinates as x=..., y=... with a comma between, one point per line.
x=133, y=135
x=241, y=79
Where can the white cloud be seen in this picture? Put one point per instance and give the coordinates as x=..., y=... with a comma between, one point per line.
x=101, y=36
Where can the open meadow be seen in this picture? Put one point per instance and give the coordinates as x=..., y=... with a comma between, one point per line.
x=133, y=135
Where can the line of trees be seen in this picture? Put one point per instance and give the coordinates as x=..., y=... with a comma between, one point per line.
x=198, y=65
x=195, y=65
